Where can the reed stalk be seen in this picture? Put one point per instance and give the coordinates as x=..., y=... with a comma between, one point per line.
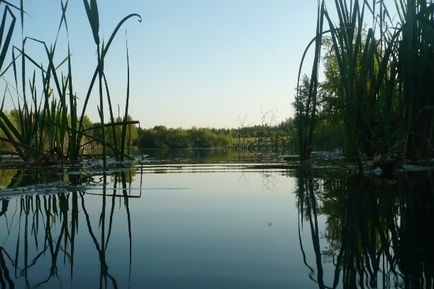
x=385, y=69
x=46, y=124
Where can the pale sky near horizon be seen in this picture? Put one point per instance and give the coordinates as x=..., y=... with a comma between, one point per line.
x=203, y=63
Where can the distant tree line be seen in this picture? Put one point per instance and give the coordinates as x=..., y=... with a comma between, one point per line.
x=254, y=137
x=251, y=137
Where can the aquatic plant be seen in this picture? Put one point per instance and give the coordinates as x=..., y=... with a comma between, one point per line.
x=415, y=65
x=47, y=126
x=385, y=79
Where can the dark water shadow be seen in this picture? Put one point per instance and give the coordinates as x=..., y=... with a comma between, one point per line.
x=47, y=225
x=378, y=232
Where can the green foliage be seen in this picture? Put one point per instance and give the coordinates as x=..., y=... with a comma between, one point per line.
x=113, y=132
x=254, y=137
x=415, y=65
x=161, y=137
x=46, y=124
x=378, y=80
x=304, y=118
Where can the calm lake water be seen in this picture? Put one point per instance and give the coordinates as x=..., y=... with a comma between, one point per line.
x=214, y=225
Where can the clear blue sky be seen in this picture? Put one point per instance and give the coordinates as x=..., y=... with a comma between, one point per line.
x=193, y=62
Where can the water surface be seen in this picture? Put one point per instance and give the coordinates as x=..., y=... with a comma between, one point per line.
x=238, y=225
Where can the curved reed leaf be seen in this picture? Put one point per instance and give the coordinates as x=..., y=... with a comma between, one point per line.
x=93, y=17
x=127, y=103
x=105, y=49
x=5, y=46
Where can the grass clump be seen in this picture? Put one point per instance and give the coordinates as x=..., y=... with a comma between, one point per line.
x=382, y=91
x=47, y=123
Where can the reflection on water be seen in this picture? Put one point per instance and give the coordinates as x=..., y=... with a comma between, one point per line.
x=212, y=156
x=378, y=233
x=39, y=231
x=234, y=226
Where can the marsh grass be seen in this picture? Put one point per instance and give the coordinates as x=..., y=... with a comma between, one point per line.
x=386, y=75
x=47, y=124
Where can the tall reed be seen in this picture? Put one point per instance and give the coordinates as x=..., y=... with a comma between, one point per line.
x=47, y=124
x=306, y=101
x=416, y=75
x=385, y=69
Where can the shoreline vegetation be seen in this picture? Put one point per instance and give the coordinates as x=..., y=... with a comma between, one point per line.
x=374, y=100
x=255, y=137
x=245, y=138
x=47, y=124
x=378, y=86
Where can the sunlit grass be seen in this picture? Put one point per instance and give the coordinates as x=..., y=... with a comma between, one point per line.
x=46, y=124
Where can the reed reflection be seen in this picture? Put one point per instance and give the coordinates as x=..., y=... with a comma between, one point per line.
x=378, y=232
x=40, y=232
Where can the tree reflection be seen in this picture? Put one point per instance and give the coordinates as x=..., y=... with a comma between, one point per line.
x=45, y=228
x=378, y=232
